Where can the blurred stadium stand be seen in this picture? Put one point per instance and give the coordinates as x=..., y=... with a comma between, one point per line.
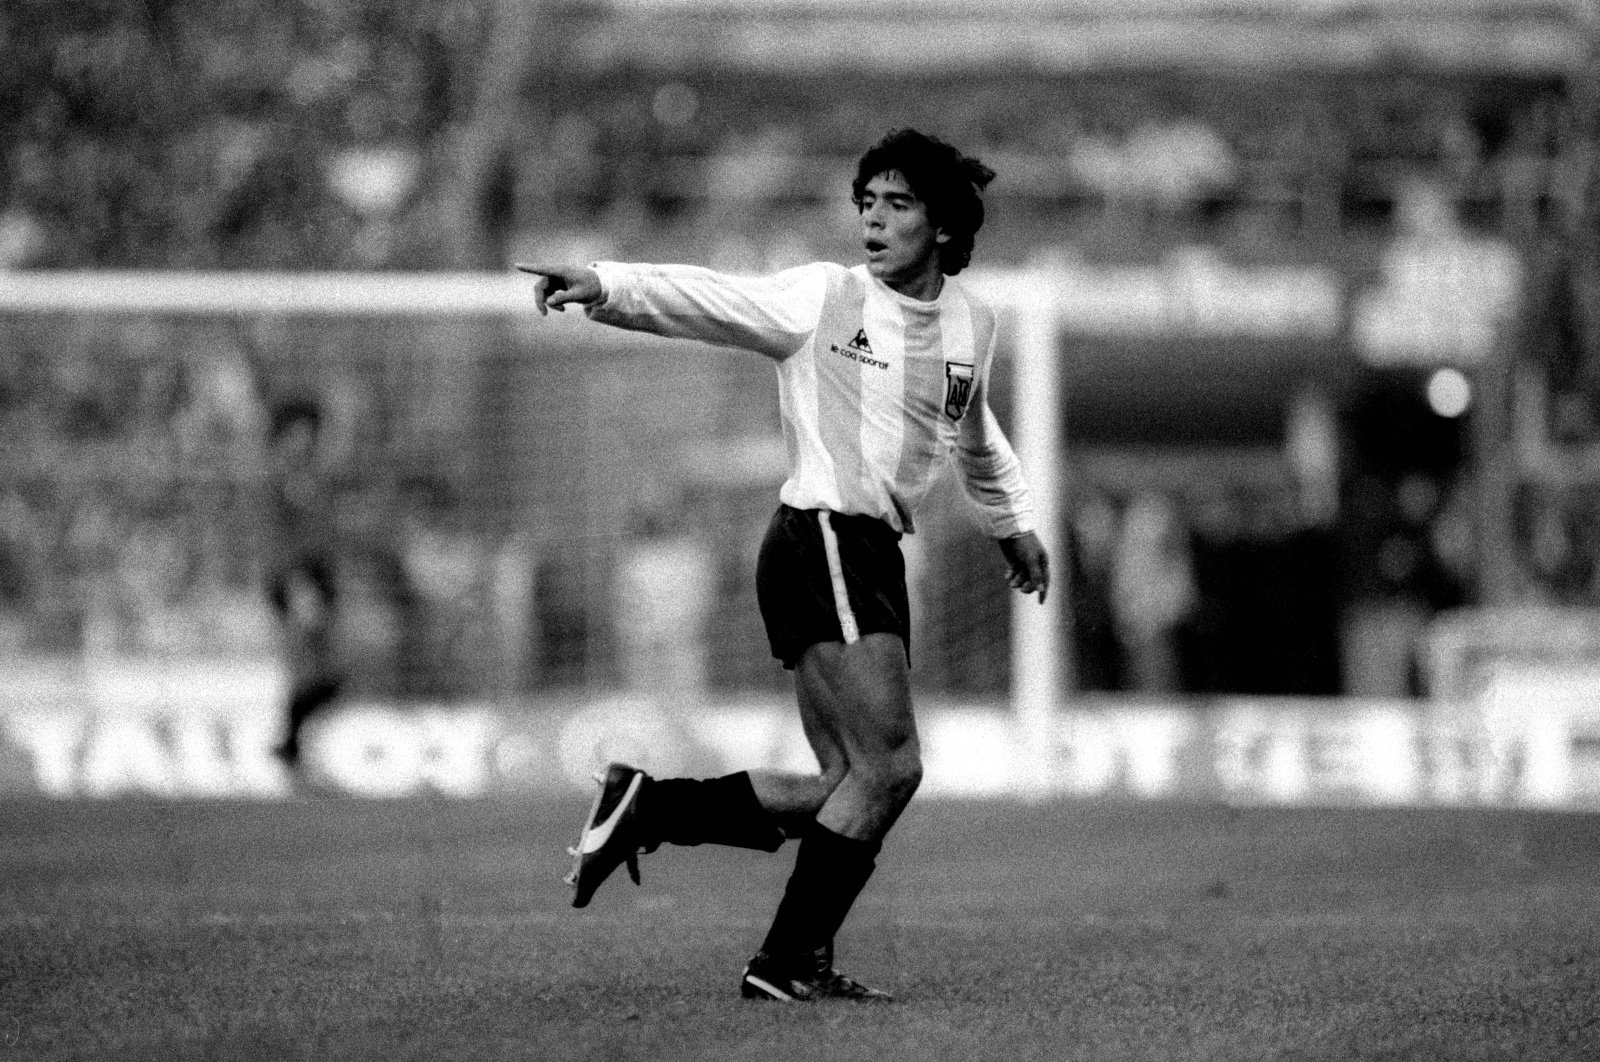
x=302, y=135
x=401, y=135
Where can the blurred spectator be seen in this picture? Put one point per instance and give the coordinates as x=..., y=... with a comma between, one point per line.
x=665, y=589
x=22, y=237
x=1093, y=540
x=444, y=594
x=302, y=570
x=1152, y=591
x=21, y=562
x=209, y=133
x=1171, y=164
x=312, y=135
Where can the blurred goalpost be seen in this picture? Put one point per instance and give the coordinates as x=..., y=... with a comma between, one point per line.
x=1040, y=667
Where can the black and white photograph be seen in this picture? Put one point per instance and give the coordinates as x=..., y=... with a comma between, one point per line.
x=800, y=530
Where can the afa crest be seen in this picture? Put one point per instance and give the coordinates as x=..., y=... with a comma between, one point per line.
x=957, y=388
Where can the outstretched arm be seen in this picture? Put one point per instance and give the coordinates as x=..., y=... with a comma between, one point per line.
x=771, y=315
x=558, y=286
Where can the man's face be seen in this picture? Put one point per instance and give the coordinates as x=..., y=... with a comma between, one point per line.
x=902, y=245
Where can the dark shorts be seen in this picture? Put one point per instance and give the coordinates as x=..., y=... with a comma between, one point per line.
x=811, y=592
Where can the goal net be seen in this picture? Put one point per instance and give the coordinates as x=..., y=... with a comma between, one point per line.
x=521, y=507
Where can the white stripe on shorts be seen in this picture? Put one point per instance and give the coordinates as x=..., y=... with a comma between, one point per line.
x=841, y=596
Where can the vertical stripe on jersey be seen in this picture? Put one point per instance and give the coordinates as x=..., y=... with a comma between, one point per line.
x=810, y=461
x=839, y=396
x=880, y=434
x=924, y=427
x=841, y=593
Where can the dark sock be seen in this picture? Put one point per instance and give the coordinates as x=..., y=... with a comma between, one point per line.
x=722, y=810
x=305, y=702
x=829, y=873
x=308, y=700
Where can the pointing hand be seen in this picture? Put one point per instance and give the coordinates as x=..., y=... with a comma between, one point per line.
x=559, y=285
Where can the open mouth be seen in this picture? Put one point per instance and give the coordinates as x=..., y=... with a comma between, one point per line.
x=876, y=246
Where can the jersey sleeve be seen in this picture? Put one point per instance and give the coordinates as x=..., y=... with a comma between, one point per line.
x=772, y=315
x=991, y=473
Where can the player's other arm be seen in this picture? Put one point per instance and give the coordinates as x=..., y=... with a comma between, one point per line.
x=1027, y=563
x=769, y=315
x=992, y=477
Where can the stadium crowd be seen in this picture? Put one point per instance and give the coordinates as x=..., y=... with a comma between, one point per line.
x=307, y=135
x=318, y=135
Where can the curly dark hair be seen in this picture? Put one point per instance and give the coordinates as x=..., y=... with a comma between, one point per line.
x=950, y=183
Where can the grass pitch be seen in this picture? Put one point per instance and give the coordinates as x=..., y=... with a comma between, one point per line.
x=343, y=929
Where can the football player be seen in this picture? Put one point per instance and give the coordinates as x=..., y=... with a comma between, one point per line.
x=883, y=374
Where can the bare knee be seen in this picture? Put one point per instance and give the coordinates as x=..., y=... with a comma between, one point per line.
x=832, y=777
x=796, y=796
x=892, y=776
x=907, y=772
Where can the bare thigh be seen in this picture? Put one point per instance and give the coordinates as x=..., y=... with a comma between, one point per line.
x=796, y=798
x=857, y=699
x=856, y=712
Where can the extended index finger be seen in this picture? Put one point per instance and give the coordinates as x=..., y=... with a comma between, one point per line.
x=542, y=287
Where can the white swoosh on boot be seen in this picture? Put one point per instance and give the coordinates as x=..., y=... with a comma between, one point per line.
x=596, y=838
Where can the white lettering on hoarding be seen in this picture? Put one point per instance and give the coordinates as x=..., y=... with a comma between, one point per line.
x=1272, y=752
x=1262, y=755
x=1137, y=749
x=387, y=752
x=79, y=754
x=51, y=740
x=125, y=756
x=968, y=753
x=632, y=730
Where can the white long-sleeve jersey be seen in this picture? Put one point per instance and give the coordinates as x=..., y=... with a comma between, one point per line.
x=876, y=389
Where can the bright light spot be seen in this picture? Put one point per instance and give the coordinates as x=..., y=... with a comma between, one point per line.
x=1449, y=392
x=374, y=180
